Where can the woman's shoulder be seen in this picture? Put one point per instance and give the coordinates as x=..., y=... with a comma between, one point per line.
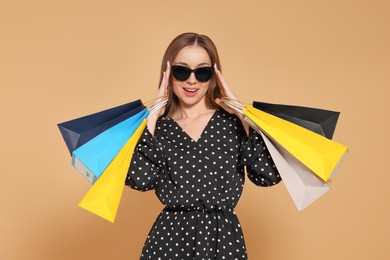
x=226, y=119
x=164, y=123
x=226, y=116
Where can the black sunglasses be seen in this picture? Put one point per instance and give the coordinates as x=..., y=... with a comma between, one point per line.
x=202, y=74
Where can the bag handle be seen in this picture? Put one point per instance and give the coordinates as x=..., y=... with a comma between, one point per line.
x=234, y=104
x=156, y=104
x=240, y=108
x=149, y=103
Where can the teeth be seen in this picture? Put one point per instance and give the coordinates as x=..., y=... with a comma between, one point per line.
x=190, y=90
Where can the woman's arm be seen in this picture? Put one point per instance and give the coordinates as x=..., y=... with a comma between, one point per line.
x=260, y=167
x=147, y=160
x=254, y=153
x=146, y=164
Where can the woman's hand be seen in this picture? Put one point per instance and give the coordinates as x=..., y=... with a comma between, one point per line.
x=163, y=89
x=227, y=92
x=161, y=93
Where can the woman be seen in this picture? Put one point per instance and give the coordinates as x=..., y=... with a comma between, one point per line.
x=193, y=154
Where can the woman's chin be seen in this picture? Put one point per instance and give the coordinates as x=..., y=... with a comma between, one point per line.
x=191, y=101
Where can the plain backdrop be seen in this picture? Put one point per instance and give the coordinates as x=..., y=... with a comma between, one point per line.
x=64, y=59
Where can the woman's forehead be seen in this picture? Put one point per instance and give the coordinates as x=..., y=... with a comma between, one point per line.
x=193, y=56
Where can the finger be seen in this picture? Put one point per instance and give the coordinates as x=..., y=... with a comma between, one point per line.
x=163, y=89
x=165, y=83
x=220, y=80
x=168, y=70
x=219, y=76
x=222, y=83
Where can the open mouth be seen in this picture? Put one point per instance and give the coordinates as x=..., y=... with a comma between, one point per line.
x=190, y=90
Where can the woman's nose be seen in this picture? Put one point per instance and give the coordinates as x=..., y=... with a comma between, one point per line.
x=192, y=78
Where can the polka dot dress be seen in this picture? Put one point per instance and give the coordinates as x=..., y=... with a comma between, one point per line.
x=200, y=182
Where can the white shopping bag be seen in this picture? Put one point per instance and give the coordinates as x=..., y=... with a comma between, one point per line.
x=303, y=185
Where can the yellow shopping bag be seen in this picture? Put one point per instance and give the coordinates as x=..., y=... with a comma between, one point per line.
x=318, y=153
x=104, y=196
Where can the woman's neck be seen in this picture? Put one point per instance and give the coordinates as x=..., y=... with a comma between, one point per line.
x=193, y=111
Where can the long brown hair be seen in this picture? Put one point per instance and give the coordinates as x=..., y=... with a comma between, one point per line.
x=181, y=41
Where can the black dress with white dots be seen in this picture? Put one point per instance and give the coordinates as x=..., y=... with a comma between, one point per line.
x=200, y=182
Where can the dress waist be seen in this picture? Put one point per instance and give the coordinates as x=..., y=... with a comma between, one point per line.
x=199, y=209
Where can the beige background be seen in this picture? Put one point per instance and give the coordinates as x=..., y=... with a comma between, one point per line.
x=64, y=59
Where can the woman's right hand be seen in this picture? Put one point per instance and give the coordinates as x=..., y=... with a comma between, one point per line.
x=163, y=89
x=161, y=93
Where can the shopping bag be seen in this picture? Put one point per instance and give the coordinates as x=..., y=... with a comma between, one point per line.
x=94, y=140
x=320, y=121
x=302, y=184
x=92, y=158
x=109, y=152
x=104, y=196
x=79, y=131
x=319, y=154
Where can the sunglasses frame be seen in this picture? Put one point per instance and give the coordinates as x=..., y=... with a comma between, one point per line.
x=211, y=69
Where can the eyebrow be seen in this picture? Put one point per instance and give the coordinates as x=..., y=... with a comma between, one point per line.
x=185, y=64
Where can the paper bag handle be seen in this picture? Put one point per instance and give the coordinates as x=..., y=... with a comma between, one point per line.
x=156, y=104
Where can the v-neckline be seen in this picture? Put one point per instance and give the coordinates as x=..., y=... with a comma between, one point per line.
x=201, y=133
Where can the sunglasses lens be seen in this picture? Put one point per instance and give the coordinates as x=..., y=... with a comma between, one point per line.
x=181, y=73
x=204, y=74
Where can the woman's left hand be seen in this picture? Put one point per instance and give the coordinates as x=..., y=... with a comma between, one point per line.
x=227, y=92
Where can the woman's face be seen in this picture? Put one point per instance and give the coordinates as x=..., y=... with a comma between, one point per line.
x=191, y=91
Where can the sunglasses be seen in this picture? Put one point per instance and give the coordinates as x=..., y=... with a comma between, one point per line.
x=202, y=74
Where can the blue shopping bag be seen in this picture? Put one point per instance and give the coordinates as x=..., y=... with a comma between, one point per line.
x=93, y=157
x=79, y=131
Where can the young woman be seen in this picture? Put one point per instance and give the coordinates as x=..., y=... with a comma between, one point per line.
x=193, y=154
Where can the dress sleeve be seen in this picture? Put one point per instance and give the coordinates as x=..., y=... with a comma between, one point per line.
x=260, y=167
x=146, y=164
